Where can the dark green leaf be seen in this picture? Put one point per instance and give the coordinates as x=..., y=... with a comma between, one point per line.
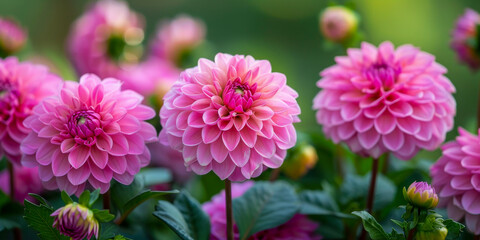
x=454, y=229
x=264, y=206
x=319, y=203
x=103, y=215
x=197, y=220
x=84, y=198
x=7, y=224
x=170, y=215
x=40, y=199
x=38, y=217
x=107, y=231
x=154, y=176
x=3, y=199
x=142, y=197
x=121, y=194
x=93, y=197
x=120, y=237
x=371, y=225
x=394, y=235
x=355, y=188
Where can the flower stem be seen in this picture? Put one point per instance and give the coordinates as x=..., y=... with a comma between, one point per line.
x=373, y=181
x=228, y=208
x=476, y=237
x=106, y=200
x=274, y=174
x=411, y=233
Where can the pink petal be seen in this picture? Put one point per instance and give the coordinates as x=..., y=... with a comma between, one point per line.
x=265, y=147
x=218, y=150
x=80, y=175
x=394, y=140
x=120, y=145
x=117, y=164
x=210, y=133
x=385, y=123
x=129, y=124
x=204, y=157
x=67, y=145
x=231, y=139
x=249, y=137
x=100, y=158
x=78, y=156
x=223, y=170
x=192, y=136
x=470, y=202
x=60, y=164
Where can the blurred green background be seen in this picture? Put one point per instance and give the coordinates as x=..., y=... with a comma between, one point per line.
x=282, y=31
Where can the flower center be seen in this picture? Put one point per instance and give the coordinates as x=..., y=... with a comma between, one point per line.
x=382, y=75
x=238, y=96
x=82, y=125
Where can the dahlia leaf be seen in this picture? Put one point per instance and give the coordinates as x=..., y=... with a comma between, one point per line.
x=40, y=199
x=454, y=229
x=264, y=206
x=38, y=217
x=66, y=198
x=371, y=225
x=197, y=220
x=84, y=198
x=154, y=176
x=319, y=203
x=93, y=197
x=8, y=224
x=103, y=215
x=121, y=194
x=171, y=216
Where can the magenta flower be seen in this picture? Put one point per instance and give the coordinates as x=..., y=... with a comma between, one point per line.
x=167, y=157
x=105, y=40
x=465, y=31
x=233, y=116
x=299, y=227
x=456, y=176
x=88, y=134
x=421, y=194
x=386, y=100
x=12, y=37
x=338, y=23
x=178, y=36
x=26, y=181
x=76, y=221
x=22, y=86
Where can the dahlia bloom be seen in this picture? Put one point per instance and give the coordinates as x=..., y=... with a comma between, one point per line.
x=90, y=133
x=338, y=23
x=22, y=86
x=456, y=176
x=386, y=100
x=76, y=221
x=420, y=194
x=176, y=37
x=26, y=181
x=299, y=227
x=233, y=116
x=167, y=157
x=465, y=31
x=106, y=39
x=12, y=37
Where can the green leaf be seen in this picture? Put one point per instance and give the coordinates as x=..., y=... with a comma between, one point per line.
x=121, y=194
x=93, y=197
x=197, y=220
x=454, y=229
x=264, y=206
x=40, y=199
x=6, y=224
x=120, y=237
x=3, y=199
x=144, y=196
x=355, y=188
x=394, y=235
x=319, y=203
x=38, y=217
x=154, y=176
x=66, y=198
x=103, y=215
x=84, y=198
x=171, y=216
x=371, y=225
x=107, y=231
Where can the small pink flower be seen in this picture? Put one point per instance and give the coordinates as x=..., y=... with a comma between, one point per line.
x=12, y=37
x=105, y=39
x=338, y=23
x=380, y=100
x=76, y=221
x=90, y=133
x=465, y=31
x=167, y=157
x=299, y=227
x=233, y=116
x=22, y=86
x=456, y=176
x=178, y=36
x=26, y=181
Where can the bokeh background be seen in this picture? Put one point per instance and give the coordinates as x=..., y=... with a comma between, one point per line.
x=286, y=33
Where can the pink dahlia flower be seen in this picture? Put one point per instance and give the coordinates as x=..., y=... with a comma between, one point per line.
x=167, y=157
x=380, y=100
x=106, y=39
x=465, y=31
x=90, y=133
x=421, y=194
x=26, y=181
x=456, y=176
x=233, y=116
x=76, y=221
x=12, y=37
x=177, y=37
x=299, y=227
x=22, y=86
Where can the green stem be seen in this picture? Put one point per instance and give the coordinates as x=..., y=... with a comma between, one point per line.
x=373, y=181
x=11, y=175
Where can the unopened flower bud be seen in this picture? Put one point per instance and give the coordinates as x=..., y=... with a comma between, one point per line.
x=437, y=234
x=338, y=23
x=76, y=221
x=421, y=194
x=12, y=37
x=303, y=159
